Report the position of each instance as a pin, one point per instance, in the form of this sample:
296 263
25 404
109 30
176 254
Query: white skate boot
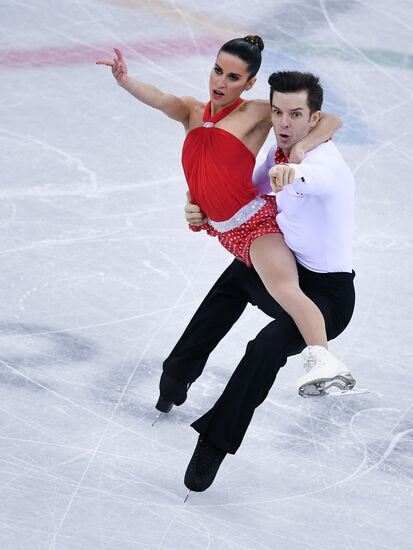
324 371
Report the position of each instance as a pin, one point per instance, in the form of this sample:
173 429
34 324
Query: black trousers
226 423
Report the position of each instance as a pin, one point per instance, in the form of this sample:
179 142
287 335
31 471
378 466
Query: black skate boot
204 465
172 392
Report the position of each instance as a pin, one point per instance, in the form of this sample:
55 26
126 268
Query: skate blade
158 416
354 391
344 382
187 495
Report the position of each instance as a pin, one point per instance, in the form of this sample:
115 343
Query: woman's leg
276 266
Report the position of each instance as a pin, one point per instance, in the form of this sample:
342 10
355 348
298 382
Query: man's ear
314 118
250 83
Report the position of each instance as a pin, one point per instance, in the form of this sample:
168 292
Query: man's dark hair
295 81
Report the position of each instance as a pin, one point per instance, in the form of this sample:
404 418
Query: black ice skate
172 392
204 465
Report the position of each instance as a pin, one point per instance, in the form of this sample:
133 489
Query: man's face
291 118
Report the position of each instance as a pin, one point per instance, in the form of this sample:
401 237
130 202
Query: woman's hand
193 213
118 65
281 175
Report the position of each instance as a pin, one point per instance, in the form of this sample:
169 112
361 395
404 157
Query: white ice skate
324 371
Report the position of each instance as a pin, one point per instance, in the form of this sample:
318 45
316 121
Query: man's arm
325 128
322 132
174 107
193 214
320 174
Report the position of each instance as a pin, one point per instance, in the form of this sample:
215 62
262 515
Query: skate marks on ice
128 497
334 458
303 18
373 442
32 346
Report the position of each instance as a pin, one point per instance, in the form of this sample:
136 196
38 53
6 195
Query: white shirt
316 212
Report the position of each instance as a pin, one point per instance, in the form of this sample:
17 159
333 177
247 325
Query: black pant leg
226 423
218 312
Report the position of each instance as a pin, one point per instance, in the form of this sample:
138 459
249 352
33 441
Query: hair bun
256 40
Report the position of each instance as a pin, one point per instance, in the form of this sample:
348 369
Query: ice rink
99 277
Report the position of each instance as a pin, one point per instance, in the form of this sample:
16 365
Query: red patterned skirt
238 240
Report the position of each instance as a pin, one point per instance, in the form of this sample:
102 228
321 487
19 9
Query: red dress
218 168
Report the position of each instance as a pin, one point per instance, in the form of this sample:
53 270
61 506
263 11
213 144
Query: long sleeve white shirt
316 212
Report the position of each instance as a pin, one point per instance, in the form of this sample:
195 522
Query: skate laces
309 361
314 359
206 456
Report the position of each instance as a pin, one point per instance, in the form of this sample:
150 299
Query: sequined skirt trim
238 240
243 215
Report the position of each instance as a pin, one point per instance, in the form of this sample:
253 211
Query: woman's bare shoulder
193 103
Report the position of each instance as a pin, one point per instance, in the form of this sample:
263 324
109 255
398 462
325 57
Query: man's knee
277 341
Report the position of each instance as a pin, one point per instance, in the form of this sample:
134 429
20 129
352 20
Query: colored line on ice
75 55
87 54
363 56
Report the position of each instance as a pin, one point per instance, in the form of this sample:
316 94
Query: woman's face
229 78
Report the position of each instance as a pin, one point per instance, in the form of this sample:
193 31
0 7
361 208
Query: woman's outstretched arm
174 107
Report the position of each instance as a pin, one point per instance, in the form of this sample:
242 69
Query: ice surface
99 277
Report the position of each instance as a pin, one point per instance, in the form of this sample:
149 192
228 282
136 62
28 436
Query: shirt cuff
299 184
299 173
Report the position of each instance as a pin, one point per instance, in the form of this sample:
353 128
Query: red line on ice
75 55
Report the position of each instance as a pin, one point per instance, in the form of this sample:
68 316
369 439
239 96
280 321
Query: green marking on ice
385 58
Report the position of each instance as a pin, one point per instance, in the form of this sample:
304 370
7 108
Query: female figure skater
223 138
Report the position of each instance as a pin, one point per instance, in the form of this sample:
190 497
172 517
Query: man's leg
218 312
226 423
223 427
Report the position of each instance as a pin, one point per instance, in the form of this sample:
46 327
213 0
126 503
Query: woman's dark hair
248 49
294 81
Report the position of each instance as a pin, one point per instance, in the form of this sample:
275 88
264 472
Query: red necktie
280 157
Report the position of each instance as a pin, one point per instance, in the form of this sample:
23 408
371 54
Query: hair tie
252 39
255 40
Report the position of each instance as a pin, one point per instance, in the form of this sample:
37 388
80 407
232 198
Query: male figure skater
315 201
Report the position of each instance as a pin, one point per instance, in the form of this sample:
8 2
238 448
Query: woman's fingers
117 65
104 62
118 54
119 59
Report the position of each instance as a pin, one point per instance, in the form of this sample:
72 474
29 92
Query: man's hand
193 213
281 175
296 154
119 69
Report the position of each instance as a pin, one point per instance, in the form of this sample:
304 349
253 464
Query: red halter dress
218 168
